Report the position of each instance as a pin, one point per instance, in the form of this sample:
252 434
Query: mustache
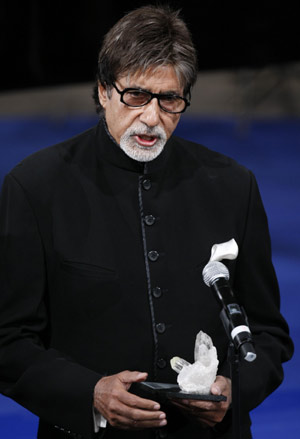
147 131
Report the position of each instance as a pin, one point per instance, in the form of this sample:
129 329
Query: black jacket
101 262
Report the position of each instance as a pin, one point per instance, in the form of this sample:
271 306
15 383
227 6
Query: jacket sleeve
255 285
42 380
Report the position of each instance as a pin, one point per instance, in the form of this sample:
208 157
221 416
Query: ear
102 94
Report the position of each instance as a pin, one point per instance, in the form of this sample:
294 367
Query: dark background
47 43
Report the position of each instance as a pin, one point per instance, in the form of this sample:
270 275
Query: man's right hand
123 409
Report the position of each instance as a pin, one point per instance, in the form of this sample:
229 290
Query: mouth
145 140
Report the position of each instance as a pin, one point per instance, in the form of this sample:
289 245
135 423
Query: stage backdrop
271 149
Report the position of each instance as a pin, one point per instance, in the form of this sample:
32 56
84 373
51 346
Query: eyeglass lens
138 98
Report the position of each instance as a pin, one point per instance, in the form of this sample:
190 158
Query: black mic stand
234 359
234 362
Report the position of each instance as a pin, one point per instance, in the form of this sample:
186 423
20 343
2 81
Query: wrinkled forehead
154 78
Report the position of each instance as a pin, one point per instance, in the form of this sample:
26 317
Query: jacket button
162 434
160 328
149 220
161 363
146 184
153 255
157 292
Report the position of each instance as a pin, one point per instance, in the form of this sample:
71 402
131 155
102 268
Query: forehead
157 80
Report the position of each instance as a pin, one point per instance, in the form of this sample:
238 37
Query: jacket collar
107 149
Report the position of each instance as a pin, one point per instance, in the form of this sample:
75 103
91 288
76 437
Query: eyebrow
167 92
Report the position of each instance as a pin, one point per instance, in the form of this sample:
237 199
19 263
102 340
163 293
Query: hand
123 409
208 413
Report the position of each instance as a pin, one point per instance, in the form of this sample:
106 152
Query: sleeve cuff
99 420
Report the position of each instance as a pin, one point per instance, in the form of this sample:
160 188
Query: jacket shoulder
45 164
205 157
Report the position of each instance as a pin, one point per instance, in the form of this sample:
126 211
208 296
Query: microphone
216 276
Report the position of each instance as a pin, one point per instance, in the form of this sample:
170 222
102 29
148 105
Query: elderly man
103 241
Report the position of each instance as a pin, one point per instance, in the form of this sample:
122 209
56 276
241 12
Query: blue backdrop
271 149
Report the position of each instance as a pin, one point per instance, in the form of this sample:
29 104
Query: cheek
120 121
170 125
123 120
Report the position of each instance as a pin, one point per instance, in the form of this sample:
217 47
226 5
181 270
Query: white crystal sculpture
199 376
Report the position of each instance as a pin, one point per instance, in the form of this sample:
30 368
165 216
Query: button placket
154 255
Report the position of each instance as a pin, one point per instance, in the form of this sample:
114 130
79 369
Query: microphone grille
214 270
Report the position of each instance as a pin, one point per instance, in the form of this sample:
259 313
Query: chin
142 154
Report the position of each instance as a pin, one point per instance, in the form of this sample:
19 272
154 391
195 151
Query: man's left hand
208 413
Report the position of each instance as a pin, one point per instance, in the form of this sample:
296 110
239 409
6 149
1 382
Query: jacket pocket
84 269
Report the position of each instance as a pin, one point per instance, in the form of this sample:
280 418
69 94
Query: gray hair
147 38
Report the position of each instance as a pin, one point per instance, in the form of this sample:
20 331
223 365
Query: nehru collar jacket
101 266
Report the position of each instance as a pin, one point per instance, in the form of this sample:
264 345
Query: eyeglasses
136 97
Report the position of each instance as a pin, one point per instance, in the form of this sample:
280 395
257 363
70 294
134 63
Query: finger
209 410
204 405
134 401
142 415
200 405
221 385
205 418
216 389
122 415
180 405
126 423
129 377
140 425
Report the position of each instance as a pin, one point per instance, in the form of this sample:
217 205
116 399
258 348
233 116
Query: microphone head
214 270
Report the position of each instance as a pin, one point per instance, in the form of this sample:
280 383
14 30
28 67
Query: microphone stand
235 322
234 362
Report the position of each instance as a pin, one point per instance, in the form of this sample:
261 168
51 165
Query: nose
151 113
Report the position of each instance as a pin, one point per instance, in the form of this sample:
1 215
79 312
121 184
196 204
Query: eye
169 98
136 98
172 103
136 94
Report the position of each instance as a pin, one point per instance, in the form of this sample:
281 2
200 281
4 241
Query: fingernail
216 390
141 375
156 407
162 416
162 423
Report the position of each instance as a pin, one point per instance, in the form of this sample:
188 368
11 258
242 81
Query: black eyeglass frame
158 96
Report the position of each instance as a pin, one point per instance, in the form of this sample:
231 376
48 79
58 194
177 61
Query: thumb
128 377
218 386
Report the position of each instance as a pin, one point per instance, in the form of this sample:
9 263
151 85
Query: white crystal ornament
177 363
199 376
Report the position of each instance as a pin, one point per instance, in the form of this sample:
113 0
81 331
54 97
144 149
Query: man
103 241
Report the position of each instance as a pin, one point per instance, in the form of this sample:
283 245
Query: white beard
138 152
